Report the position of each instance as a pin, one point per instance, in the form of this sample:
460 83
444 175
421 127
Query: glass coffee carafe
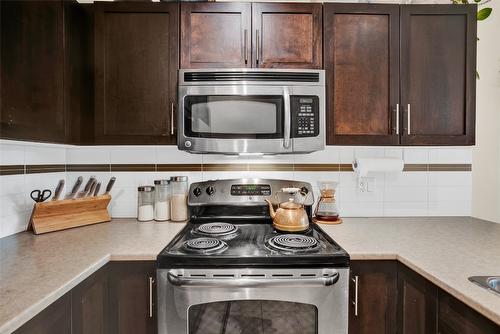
326 210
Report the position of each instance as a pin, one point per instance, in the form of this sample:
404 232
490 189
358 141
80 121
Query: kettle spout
272 213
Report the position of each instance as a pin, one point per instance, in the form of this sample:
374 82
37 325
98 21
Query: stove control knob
210 190
304 191
197 191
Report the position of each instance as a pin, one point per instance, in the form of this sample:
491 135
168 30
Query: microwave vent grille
251 76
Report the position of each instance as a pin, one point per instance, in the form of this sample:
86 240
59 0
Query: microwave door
235 119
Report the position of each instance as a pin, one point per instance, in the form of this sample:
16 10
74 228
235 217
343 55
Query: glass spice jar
162 200
145 203
178 199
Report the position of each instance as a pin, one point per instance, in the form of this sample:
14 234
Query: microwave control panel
305 116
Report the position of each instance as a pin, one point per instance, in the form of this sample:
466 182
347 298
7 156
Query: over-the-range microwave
251 111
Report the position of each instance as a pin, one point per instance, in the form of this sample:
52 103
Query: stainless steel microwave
251 111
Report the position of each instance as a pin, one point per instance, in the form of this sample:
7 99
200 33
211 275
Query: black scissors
40 195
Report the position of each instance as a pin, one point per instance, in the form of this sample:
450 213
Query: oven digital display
251 190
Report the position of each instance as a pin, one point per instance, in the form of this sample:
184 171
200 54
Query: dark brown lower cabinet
454 317
417 303
129 297
392 298
373 307
89 304
55 319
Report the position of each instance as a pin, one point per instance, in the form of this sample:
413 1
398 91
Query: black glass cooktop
250 245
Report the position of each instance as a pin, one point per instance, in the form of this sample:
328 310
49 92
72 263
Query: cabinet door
90 304
129 298
286 35
438 74
374 311
417 299
55 319
32 54
215 35
457 318
362 73
136 61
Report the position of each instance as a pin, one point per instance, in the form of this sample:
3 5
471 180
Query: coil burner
293 243
204 246
216 229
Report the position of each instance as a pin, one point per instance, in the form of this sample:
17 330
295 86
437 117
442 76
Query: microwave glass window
253 316
234 116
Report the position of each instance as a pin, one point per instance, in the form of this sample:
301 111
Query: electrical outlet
367 184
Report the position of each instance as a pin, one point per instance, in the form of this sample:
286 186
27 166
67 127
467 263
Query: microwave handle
286 98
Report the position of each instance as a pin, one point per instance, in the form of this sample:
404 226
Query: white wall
486 154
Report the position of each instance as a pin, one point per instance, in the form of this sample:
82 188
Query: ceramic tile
405 194
40 155
450 179
450 194
11 154
455 155
405 209
14 223
356 195
406 179
11 184
354 209
169 154
350 179
346 154
450 208
123 209
413 155
12 204
330 155
88 155
133 155
392 152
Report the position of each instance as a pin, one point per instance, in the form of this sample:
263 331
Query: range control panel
251 190
305 116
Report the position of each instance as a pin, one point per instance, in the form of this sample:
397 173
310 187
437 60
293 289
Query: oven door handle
287 123
246 282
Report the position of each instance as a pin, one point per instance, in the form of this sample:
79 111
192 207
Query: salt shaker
178 200
145 203
162 200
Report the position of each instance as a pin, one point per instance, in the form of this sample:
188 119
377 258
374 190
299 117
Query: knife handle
110 185
97 188
58 190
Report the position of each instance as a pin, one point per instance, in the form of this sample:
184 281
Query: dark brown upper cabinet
372 295
215 35
32 75
438 74
136 62
361 43
44 88
417 303
286 35
277 35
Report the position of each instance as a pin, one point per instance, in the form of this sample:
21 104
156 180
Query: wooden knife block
53 216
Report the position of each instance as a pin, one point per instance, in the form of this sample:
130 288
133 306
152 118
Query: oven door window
230 116
253 317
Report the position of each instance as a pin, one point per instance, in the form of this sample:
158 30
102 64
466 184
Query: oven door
256 301
234 119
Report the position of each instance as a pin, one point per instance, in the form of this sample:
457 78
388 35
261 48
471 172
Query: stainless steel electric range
228 271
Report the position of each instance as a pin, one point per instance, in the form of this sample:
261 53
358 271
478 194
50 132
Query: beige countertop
37 270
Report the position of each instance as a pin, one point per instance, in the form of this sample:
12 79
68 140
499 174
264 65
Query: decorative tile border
284 167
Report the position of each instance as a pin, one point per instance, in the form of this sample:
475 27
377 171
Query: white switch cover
367 184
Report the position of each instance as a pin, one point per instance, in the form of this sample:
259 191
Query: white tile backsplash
395 194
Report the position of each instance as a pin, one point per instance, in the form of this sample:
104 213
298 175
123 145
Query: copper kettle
290 216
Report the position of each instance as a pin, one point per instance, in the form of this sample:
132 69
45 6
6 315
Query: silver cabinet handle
245 47
356 294
328 280
397 119
257 46
151 281
408 120
171 118
286 100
